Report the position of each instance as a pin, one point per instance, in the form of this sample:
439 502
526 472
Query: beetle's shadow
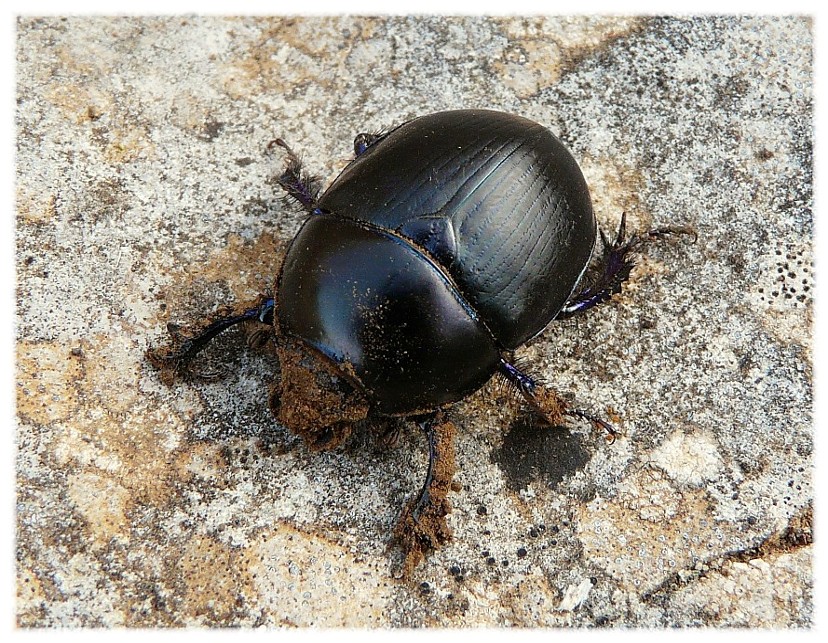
235 392
533 450
236 406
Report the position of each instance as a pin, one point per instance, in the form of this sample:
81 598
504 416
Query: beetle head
316 398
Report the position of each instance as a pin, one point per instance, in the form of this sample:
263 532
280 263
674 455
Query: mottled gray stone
144 194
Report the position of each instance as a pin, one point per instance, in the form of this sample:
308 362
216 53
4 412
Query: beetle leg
422 526
615 265
175 361
389 431
298 184
612 432
548 404
427 426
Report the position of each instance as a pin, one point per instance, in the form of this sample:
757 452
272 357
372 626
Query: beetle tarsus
612 432
422 526
178 360
615 265
300 186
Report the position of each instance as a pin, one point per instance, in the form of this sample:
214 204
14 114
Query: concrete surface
144 194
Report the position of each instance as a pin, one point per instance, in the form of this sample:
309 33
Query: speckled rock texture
145 194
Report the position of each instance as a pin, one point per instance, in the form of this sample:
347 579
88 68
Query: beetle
443 246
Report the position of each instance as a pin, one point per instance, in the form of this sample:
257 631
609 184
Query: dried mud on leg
420 534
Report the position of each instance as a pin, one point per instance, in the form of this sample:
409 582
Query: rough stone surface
144 194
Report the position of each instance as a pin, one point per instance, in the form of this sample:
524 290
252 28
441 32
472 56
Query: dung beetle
443 246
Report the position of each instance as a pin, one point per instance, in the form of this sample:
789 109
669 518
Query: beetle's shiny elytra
451 239
443 246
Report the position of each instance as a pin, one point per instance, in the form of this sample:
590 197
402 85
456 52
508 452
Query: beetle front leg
615 265
422 526
175 361
547 403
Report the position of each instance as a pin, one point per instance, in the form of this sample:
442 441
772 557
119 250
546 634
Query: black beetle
445 244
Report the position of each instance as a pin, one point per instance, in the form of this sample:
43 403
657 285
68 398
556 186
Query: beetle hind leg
422 527
547 403
298 185
615 265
